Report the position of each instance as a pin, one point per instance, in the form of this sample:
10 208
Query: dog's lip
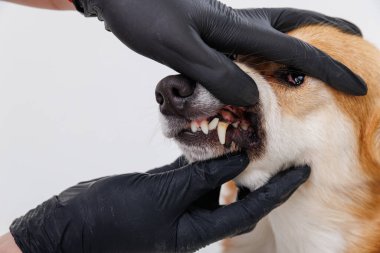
246 139
235 138
233 111
176 124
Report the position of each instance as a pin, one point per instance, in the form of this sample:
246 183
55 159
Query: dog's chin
204 152
251 178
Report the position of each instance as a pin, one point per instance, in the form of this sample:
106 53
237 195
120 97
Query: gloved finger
215 71
195 180
178 163
209 201
287 19
263 40
294 52
243 215
242 193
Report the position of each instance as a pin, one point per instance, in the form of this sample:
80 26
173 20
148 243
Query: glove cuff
78 5
41 229
83 7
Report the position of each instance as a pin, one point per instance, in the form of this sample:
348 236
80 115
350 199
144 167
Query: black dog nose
171 94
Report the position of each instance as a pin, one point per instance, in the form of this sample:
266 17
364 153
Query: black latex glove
185 34
160 211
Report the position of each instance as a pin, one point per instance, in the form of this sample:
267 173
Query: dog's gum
227 116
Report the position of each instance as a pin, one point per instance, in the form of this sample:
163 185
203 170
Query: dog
298 120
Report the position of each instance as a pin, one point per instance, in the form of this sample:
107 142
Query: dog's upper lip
228 114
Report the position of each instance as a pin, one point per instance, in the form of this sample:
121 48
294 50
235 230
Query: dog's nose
172 92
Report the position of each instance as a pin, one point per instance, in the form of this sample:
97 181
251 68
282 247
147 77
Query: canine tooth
236 124
204 126
194 127
222 130
213 124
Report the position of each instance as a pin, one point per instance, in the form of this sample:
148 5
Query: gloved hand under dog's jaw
174 208
194 36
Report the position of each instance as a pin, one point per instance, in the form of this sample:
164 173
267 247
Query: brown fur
364 59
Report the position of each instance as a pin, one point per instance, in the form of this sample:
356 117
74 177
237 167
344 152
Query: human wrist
8 244
41 229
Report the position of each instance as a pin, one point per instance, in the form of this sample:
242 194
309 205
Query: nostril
159 98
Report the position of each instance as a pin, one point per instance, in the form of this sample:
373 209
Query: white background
76 104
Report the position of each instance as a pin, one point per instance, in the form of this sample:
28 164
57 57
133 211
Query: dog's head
298 120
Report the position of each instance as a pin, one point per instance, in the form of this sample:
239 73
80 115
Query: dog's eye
291 77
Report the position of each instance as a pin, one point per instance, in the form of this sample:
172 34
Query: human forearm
8 245
46 4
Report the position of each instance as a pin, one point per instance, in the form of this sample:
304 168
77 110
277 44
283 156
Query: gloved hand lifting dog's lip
185 35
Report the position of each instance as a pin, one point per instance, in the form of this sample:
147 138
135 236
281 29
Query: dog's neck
317 218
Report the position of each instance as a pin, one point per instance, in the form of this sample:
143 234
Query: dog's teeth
204 126
194 127
236 124
222 130
213 124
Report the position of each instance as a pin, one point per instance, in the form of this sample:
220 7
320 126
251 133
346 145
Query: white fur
261 239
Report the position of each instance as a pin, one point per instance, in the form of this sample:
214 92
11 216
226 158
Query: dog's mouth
235 128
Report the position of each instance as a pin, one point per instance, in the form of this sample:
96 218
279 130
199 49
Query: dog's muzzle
194 117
